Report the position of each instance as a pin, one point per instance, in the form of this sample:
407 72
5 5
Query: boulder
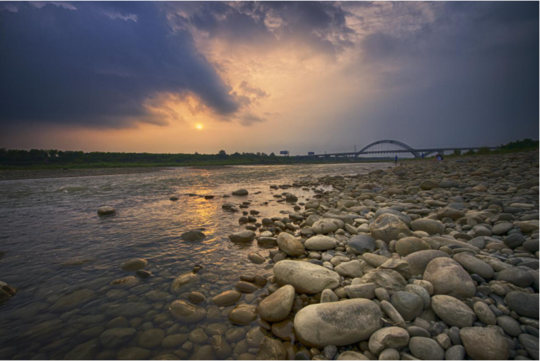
408 245
429 226
452 311
240 192
474 265
388 227
361 244
278 305
524 304
242 237
408 304
305 277
327 225
388 279
193 236
320 243
418 261
290 244
388 337
449 278
337 323
484 343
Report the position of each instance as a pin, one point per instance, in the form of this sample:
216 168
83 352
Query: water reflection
62 257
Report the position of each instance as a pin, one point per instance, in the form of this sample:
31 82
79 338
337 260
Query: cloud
96 65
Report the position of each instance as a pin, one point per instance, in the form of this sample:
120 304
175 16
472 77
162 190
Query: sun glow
199 126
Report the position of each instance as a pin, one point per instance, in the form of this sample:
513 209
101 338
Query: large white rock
337 323
305 277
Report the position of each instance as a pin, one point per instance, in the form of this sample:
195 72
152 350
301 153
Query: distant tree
470 152
272 154
222 154
457 152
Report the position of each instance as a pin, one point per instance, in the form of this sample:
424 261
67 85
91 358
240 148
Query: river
56 244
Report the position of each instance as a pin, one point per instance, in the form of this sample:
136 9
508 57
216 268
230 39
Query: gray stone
484 313
349 269
516 275
408 245
242 237
116 337
388 227
320 243
474 265
186 312
452 311
429 226
278 305
388 337
408 304
361 244
305 277
530 343
227 298
366 290
449 278
385 278
418 261
484 343
509 325
456 352
337 323
426 348
290 244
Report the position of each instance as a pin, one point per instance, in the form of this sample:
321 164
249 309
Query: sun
199 126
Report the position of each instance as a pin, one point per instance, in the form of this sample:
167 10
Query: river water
56 244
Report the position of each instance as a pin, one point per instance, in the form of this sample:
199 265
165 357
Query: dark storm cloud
468 77
321 26
95 64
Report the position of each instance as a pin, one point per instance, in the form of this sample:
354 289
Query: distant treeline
52 158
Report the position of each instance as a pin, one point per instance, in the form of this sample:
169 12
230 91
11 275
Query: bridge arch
390 141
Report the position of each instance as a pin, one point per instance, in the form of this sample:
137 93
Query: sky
185 77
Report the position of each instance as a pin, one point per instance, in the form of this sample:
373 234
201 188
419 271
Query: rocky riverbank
423 261
420 261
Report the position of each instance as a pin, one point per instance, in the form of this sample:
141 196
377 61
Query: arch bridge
381 147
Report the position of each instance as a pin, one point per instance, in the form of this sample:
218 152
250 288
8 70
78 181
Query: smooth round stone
529 343
484 343
193 236
174 341
516 275
196 297
116 337
327 225
337 323
290 245
243 236
227 298
417 331
366 290
456 352
426 348
449 278
328 296
74 299
408 245
133 353
474 265
361 244
420 292
388 279
429 226
531 245
134 264
514 240
388 337
418 261
484 313
524 304
256 258
243 314
84 351
408 304
502 228
351 355
151 338
305 277
198 336
271 349
184 282
186 312
389 354
283 330
106 210
320 243
509 325
278 305
246 287
349 269
240 192
452 311
388 227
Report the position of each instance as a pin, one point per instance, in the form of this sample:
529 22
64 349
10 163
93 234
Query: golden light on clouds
199 126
